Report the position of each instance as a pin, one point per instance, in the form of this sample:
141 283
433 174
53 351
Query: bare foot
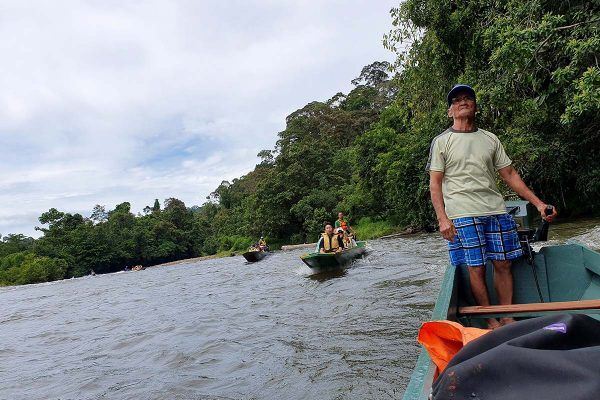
507 320
493 323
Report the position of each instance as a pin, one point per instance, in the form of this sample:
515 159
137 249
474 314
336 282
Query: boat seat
531 307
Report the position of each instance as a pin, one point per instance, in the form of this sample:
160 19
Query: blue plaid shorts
479 239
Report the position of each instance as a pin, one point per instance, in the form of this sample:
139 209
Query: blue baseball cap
459 88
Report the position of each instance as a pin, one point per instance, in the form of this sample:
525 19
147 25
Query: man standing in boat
463 162
342 223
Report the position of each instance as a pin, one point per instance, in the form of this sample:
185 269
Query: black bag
553 357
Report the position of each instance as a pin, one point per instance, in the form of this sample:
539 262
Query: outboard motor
523 212
527 235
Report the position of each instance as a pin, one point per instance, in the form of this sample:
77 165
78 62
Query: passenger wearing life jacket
343 238
329 241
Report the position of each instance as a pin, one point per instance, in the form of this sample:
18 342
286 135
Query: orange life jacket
330 243
443 339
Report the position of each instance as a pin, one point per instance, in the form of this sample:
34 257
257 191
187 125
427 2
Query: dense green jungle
533 64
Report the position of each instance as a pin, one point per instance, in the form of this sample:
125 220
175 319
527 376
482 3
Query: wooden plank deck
531 307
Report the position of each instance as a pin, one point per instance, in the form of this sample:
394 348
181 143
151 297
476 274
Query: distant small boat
255 255
332 261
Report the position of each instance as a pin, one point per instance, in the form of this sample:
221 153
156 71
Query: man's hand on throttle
542 209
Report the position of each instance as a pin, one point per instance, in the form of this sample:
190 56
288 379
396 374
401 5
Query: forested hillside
533 64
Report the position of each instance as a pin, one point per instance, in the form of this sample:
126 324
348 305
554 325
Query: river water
225 329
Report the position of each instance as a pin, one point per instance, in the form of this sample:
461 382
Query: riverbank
367 229
222 254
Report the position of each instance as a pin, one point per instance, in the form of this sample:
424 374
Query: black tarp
546 358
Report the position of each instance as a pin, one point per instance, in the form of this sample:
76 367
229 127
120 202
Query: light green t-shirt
469 161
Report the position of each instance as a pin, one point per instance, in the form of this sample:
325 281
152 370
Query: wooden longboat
568 279
321 262
255 255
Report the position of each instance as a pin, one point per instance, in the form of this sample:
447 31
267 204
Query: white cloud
105 102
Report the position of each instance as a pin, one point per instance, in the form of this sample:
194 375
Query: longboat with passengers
334 250
257 251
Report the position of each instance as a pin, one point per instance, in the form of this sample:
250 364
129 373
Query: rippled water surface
225 329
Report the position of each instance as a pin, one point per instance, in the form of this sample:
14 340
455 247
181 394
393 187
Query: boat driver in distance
463 162
342 223
262 244
330 242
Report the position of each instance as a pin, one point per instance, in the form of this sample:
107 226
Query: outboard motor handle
541 234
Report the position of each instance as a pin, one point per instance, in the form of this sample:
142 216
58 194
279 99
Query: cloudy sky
109 101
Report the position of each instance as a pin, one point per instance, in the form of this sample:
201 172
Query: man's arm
514 181
447 228
321 245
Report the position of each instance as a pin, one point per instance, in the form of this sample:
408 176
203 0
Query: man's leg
478 285
503 243
503 283
470 249
480 293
